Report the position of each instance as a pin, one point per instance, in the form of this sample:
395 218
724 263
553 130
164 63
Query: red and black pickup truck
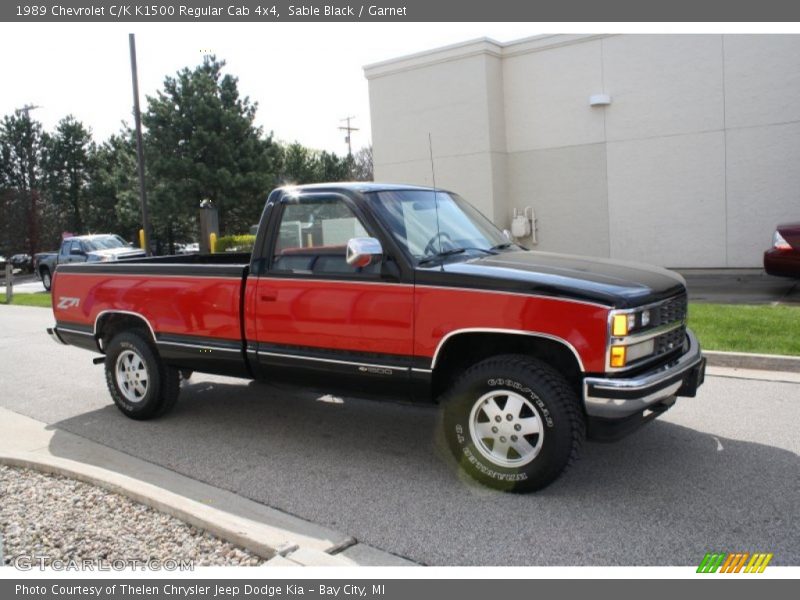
402 290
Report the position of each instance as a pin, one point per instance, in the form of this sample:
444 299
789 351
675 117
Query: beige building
678 150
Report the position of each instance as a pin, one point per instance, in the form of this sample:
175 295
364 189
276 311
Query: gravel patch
63 519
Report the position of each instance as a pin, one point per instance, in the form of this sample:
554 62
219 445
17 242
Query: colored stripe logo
738 562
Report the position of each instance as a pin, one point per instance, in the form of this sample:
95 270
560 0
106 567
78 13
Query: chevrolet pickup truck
408 291
83 248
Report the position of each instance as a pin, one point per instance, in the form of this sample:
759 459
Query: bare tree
362 164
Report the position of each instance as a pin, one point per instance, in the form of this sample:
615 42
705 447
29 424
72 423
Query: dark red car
783 259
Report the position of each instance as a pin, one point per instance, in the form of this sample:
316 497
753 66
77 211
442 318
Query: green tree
302 165
201 142
67 162
114 187
21 146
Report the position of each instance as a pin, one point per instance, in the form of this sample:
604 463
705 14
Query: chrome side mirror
507 233
362 252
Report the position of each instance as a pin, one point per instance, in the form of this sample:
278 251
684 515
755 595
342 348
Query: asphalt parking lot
720 472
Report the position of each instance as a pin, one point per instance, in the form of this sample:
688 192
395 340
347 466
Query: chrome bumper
617 398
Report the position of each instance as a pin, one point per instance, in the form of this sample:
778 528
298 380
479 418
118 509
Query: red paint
341 315
440 311
202 306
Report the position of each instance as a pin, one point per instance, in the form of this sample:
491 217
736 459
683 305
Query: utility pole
137 115
349 129
27 109
33 217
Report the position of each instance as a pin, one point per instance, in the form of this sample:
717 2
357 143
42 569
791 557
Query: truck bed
192 305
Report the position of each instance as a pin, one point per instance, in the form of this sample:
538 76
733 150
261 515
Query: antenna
435 195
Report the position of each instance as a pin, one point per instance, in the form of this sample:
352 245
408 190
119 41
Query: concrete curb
760 362
261 539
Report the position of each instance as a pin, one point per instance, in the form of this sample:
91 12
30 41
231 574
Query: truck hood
118 253
614 283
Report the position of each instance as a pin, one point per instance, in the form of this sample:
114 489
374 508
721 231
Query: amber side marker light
617 356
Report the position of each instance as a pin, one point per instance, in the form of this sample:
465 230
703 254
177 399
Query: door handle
269 295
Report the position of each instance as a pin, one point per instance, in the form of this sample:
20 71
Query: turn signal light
619 326
617 356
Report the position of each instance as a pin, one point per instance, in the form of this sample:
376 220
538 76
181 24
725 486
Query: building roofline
483 46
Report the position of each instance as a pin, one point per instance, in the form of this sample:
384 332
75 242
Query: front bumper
622 398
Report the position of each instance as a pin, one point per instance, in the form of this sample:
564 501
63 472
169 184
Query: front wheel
513 423
140 384
46 280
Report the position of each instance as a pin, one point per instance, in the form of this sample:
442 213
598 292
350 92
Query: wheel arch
462 348
108 323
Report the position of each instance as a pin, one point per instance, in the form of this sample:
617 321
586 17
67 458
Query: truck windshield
461 231
103 242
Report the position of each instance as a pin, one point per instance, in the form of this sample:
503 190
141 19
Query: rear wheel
140 384
513 423
46 279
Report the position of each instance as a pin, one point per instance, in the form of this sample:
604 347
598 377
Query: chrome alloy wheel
132 377
506 428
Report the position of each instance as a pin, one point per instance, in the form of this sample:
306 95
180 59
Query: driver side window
313 236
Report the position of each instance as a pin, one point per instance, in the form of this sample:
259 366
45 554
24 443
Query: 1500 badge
375 370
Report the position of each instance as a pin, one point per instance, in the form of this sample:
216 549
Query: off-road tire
162 382
543 394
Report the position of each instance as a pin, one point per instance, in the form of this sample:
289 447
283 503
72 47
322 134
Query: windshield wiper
452 251
502 246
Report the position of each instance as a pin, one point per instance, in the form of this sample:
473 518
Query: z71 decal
68 302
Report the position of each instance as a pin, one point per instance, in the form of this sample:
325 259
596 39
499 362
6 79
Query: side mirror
77 252
507 233
362 252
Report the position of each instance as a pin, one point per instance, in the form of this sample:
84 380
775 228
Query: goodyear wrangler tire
513 423
140 384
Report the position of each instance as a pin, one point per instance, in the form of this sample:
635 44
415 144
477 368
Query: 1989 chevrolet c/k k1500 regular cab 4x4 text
408 289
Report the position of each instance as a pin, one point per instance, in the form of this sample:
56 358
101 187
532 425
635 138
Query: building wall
691 165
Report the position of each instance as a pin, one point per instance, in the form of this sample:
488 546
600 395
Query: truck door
70 252
312 312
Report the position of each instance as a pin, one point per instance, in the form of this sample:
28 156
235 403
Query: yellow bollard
141 239
212 242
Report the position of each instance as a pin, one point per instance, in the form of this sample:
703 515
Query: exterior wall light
599 100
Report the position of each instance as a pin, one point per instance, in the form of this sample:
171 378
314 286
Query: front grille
670 341
669 311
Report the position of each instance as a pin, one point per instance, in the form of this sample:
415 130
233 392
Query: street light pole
137 115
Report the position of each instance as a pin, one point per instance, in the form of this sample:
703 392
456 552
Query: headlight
624 324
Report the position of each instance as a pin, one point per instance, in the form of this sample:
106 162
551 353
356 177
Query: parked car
405 291
190 248
783 259
104 247
23 262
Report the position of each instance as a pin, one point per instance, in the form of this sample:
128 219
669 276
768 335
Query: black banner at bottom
391 589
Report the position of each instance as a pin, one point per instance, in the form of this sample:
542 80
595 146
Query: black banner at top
255 11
